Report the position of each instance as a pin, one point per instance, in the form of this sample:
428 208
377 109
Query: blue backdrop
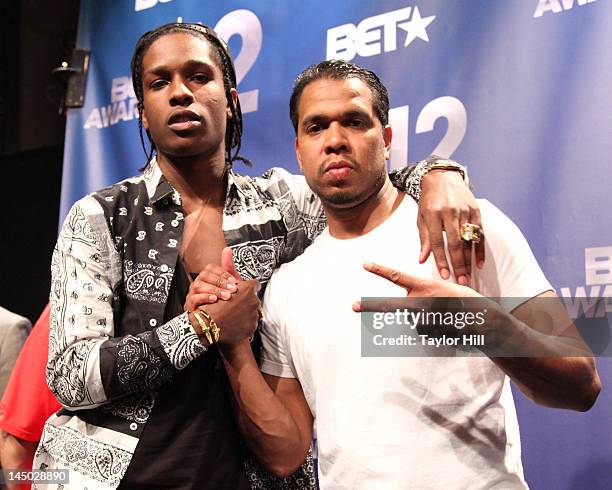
520 91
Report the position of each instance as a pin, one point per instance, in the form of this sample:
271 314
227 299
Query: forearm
570 383
88 372
268 426
553 371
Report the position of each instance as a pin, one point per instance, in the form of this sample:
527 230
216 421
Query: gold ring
471 232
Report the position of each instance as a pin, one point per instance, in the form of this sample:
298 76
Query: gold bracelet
205 328
212 325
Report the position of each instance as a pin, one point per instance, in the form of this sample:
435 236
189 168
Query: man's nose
335 139
180 94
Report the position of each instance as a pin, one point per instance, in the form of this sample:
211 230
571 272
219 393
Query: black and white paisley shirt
112 268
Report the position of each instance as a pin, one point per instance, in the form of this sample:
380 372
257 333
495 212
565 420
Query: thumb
227 262
397 277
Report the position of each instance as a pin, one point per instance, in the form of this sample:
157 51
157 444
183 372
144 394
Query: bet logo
376 34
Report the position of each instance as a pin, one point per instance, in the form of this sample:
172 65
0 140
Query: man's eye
355 123
314 128
200 78
157 84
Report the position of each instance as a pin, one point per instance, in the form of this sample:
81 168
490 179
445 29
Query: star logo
377 34
416 27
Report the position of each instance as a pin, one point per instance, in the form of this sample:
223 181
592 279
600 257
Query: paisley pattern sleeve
87 364
408 179
300 209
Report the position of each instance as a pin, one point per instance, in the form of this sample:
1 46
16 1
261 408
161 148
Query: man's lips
184 119
338 165
339 170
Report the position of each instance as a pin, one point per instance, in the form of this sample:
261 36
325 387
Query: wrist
436 164
433 178
196 324
239 348
449 171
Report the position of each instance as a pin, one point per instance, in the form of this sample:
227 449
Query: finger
385 305
467 246
206 288
215 276
424 238
195 300
456 247
467 249
219 270
436 241
467 257
227 261
400 278
479 248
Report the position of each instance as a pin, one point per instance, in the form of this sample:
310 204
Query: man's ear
297 154
387 136
143 115
234 94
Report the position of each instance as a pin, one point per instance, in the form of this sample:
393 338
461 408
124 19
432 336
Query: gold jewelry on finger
471 232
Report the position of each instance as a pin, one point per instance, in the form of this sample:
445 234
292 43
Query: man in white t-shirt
388 422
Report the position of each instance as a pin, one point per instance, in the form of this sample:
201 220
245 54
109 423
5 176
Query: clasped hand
237 313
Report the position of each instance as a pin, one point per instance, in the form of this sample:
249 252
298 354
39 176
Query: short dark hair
340 70
221 54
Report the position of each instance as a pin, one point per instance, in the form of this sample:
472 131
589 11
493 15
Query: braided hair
222 55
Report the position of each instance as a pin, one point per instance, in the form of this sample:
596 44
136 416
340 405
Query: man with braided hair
221 54
145 396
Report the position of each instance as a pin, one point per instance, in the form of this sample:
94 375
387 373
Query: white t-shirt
396 422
